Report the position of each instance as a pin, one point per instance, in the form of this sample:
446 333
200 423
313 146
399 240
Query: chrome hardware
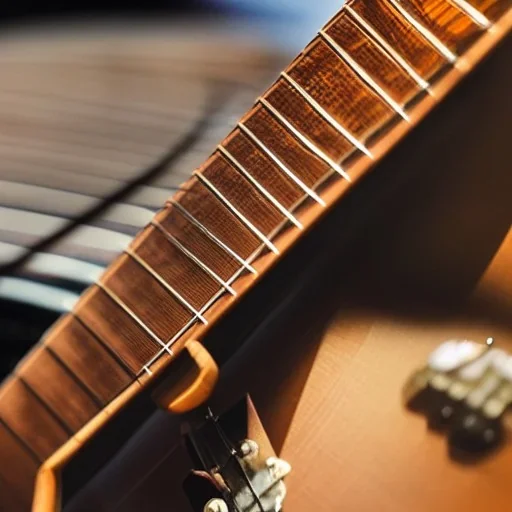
241 476
464 390
216 505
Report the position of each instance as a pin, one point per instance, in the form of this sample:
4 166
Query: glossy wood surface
137 316
434 263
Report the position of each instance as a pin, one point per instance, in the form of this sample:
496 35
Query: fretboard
368 76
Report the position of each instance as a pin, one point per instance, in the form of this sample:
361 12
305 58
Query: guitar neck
368 76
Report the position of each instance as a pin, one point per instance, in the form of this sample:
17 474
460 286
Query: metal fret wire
215 191
211 236
429 36
325 115
143 264
239 167
136 319
363 74
399 59
304 140
258 251
310 192
174 241
472 12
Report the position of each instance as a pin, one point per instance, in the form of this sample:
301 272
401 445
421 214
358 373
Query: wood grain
153 304
47 377
17 471
177 269
197 242
434 264
110 323
320 72
284 98
31 419
88 359
215 217
368 54
493 9
242 194
308 167
135 308
449 24
398 33
262 168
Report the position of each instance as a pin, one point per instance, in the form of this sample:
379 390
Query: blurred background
92 94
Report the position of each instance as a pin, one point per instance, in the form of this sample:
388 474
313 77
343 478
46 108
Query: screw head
216 505
248 448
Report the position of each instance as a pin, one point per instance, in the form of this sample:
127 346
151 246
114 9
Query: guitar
306 143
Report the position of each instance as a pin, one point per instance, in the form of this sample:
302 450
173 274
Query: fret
237 213
85 355
133 316
478 17
151 305
236 189
263 169
193 258
18 469
320 71
303 139
365 51
176 266
278 139
386 47
114 326
363 75
212 213
408 45
291 105
286 148
223 253
47 377
325 115
44 404
309 191
147 366
168 287
446 28
429 36
25 415
491 9
263 191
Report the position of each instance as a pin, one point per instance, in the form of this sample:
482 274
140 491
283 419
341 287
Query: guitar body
326 370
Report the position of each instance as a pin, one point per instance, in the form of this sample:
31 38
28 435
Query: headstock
464 390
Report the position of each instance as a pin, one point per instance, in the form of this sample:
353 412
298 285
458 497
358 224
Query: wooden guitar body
326 367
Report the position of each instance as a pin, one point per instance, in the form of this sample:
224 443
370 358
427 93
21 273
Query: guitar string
270 237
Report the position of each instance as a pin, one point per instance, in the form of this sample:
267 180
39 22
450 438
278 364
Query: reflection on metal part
309 191
304 140
209 185
326 116
361 72
429 36
237 165
465 389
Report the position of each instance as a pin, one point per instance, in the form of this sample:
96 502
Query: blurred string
217 98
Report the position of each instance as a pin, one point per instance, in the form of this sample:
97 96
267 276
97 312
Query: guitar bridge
236 467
